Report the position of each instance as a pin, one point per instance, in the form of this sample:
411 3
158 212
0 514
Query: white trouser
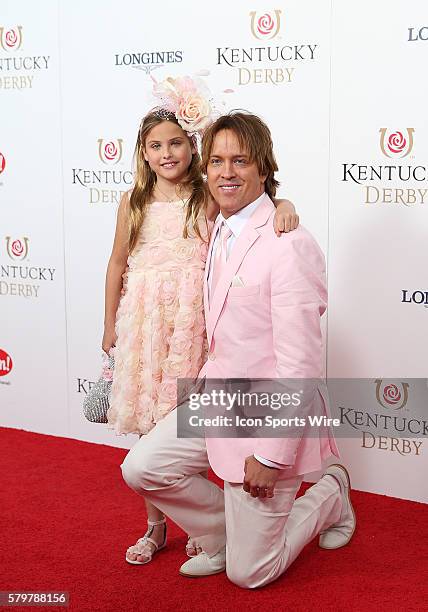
262 536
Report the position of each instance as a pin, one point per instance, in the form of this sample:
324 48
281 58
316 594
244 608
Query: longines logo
390 396
17 249
385 429
148 60
101 183
24 68
268 64
265 26
6 365
396 183
22 280
418 34
415 297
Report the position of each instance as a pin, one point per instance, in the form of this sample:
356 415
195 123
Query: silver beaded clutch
96 403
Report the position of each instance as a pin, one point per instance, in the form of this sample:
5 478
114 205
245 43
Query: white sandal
191 549
141 547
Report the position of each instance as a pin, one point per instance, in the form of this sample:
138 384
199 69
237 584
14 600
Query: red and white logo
266 25
2 163
17 248
110 151
390 395
396 144
11 38
6 363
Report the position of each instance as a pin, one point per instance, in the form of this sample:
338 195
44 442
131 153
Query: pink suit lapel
240 249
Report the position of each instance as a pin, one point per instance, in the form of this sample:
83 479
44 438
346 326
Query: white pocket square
237 282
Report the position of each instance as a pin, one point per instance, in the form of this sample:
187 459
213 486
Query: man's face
233 180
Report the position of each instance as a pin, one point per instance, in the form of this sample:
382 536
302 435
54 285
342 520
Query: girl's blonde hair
145 181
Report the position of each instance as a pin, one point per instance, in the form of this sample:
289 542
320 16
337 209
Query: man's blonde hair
253 136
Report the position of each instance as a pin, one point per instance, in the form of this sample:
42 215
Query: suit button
211 356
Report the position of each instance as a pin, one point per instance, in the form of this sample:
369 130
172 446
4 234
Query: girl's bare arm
115 269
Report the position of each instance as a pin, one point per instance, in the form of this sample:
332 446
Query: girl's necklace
169 200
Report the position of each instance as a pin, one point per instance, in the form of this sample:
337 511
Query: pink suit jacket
268 328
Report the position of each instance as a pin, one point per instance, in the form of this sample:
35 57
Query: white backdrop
75 80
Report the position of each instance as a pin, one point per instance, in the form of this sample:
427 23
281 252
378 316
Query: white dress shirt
236 224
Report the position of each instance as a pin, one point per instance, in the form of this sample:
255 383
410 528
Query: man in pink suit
264 297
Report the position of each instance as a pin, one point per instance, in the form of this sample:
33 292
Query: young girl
162 232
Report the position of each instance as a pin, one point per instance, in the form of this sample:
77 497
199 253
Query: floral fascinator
189 99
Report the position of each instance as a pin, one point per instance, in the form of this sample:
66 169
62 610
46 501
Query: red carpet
67 518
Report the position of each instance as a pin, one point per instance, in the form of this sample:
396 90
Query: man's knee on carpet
249 578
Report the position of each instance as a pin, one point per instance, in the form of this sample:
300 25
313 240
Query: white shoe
203 565
340 533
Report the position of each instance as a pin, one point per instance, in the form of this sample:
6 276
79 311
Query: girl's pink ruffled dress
160 321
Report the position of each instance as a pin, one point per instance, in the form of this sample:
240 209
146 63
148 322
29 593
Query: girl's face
168 151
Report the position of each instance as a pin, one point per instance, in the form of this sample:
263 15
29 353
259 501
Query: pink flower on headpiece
188 99
194 113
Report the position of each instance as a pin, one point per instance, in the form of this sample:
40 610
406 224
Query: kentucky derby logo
6 363
110 152
396 144
390 396
17 249
265 26
11 40
2 163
